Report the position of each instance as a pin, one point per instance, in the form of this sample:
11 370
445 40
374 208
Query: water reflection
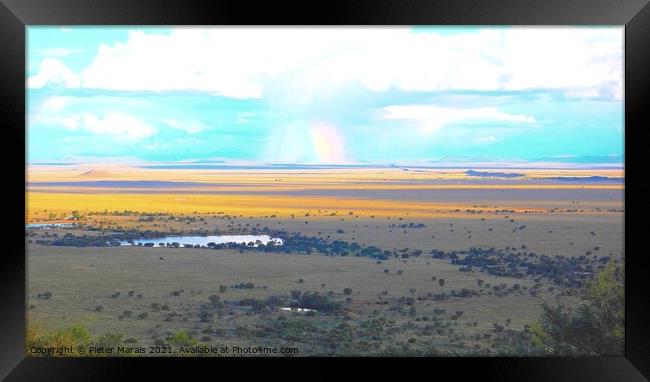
205 241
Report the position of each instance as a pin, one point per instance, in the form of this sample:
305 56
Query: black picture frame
15 15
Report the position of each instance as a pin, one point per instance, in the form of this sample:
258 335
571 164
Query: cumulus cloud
485 140
188 126
53 104
118 125
244 117
54 73
248 62
69 122
432 118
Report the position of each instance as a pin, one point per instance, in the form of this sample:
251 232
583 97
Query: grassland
393 306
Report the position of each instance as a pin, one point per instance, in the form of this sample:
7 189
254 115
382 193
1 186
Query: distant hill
95 174
485 174
586 179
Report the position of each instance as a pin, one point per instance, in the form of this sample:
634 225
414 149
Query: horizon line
430 165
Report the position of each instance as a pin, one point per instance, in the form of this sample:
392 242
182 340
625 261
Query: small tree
594 327
205 315
347 291
441 282
108 341
295 294
214 299
181 339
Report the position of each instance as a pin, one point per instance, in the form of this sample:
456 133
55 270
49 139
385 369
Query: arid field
374 243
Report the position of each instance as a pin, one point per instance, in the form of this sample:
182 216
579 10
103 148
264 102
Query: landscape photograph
324 191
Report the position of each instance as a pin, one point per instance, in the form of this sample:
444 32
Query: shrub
205 315
255 304
295 294
317 302
108 341
181 338
214 299
595 327
73 336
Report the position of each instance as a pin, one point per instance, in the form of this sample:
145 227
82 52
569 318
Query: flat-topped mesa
95 173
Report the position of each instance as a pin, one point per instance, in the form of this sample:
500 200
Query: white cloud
117 125
53 72
432 118
189 127
244 117
155 146
122 127
53 104
248 62
70 123
485 140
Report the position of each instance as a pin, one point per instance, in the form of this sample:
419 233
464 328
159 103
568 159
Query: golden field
391 307
286 192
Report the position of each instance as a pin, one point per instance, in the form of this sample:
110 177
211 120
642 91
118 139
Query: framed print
450 184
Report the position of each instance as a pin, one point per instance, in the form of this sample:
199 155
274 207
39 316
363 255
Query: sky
329 95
